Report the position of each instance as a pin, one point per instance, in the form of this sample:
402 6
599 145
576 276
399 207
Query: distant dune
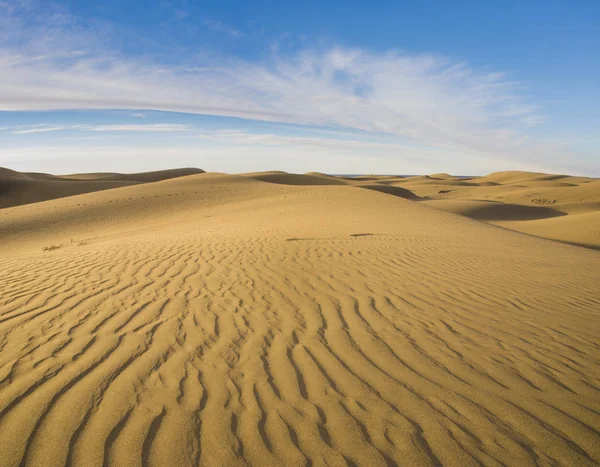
186 318
23 188
558 207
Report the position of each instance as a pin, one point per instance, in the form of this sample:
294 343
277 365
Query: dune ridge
216 319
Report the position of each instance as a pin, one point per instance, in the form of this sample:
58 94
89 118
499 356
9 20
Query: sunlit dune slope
214 319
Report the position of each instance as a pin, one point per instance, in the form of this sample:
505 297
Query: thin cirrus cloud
26 130
153 127
44 128
425 100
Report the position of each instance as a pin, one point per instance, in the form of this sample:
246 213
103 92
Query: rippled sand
274 319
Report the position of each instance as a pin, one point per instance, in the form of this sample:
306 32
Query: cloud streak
36 129
148 128
154 127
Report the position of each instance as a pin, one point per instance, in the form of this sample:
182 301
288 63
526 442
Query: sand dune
272 319
559 207
24 188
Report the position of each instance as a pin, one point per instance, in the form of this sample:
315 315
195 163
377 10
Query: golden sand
278 319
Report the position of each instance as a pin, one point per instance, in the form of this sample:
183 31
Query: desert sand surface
282 319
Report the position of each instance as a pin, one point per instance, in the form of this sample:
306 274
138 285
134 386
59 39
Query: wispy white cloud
38 129
423 98
155 127
45 128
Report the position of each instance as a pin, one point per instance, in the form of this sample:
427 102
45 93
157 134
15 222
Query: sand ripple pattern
364 350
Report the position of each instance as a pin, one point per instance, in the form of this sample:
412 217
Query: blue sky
340 87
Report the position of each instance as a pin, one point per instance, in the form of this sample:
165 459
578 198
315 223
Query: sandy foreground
277 319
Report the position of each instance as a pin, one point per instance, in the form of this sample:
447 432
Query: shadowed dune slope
390 190
23 188
142 177
15 192
495 211
7 174
220 320
283 178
